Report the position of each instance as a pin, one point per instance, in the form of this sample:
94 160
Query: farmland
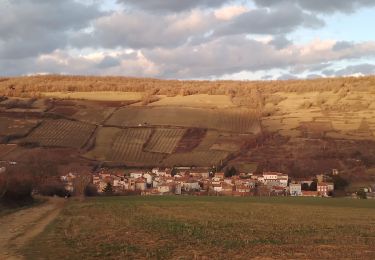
6 148
298 127
209 228
105 137
62 133
199 101
196 158
164 140
232 120
10 127
128 147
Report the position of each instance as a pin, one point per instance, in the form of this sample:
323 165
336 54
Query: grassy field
96 95
61 133
209 228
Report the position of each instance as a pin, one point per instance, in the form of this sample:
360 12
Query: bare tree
80 183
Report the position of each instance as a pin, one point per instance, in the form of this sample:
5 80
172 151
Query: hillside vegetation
300 127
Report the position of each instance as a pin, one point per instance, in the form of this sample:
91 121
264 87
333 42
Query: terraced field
16 127
164 140
128 148
61 133
93 115
6 149
232 120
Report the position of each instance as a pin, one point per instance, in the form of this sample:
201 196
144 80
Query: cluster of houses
200 181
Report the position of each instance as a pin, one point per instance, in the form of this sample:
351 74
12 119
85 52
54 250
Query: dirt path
20 227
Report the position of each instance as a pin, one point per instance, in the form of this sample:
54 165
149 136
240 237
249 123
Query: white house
191 186
148 178
164 188
136 175
295 189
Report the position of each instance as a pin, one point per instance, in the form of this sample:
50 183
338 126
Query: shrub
91 190
16 187
53 189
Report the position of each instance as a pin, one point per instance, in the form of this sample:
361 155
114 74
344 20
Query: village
202 181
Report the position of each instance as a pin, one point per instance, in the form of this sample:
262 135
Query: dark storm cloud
171 5
32 27
321 6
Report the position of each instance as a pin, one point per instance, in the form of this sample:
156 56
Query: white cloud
228 12
177 39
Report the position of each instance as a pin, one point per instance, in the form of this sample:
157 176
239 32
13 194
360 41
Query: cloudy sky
188 39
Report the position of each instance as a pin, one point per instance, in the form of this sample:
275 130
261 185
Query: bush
91 190
16 103
16 187
53 189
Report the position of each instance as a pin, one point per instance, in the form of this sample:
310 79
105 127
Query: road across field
18 228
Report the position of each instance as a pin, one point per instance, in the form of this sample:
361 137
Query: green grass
210 227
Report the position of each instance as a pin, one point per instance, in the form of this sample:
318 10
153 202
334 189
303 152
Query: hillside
301 127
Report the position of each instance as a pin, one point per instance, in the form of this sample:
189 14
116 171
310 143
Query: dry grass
209 228
200 100
96 95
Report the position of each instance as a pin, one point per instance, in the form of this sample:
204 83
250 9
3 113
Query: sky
192 39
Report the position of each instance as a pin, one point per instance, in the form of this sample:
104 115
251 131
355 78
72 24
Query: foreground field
209 228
